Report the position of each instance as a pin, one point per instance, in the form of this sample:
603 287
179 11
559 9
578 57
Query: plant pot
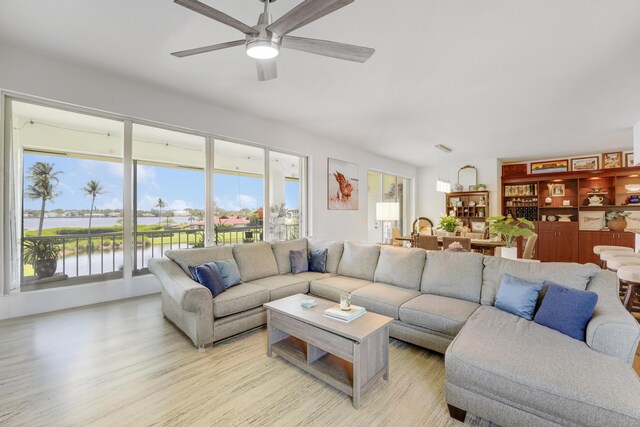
617 224
509 253
46 268
450 233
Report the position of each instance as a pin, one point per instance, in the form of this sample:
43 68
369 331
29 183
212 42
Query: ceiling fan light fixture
262 49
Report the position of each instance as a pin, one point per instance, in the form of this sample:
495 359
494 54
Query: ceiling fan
264 40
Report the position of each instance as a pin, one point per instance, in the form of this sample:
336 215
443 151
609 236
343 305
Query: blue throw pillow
299 261
518 296
209 276
229 271
192 271
566 310
318 262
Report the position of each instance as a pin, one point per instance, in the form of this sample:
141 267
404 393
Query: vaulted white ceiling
493 78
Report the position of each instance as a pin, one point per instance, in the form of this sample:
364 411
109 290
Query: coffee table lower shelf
350 366
331 369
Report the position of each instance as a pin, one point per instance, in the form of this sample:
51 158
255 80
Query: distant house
70 214
181 213
115 214
234 221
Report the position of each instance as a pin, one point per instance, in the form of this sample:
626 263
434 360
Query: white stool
630 274
607 255
616 262
600 248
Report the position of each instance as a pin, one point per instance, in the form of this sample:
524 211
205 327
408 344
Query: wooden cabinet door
587 240
625 239
567 246
547 245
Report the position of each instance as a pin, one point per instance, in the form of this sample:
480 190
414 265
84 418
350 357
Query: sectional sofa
499 367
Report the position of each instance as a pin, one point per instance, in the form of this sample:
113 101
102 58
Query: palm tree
93 188
43 183
160 204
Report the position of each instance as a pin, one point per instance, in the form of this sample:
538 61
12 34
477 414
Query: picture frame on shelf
591 220
633 221
343 183
556 190
515 169
550 166
590 163
478 226
628 160
612 160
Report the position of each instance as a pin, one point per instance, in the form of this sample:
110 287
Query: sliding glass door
388 188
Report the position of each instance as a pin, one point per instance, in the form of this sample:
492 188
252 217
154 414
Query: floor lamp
387 212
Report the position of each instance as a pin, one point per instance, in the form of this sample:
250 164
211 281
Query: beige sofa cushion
282 286
570 275
331 287
310 276
453 274
441 314
281 252
255 261
400 266
239 298
334 252
359 261
542 372
198 256
382 298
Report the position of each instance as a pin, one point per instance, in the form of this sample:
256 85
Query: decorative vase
509 253
46 267
617 224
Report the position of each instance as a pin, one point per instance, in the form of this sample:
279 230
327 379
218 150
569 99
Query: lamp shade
387 211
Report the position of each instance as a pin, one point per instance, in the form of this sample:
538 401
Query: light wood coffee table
348 356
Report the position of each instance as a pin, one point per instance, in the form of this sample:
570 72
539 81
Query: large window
96 197
285 196
71 205
239 193
169 197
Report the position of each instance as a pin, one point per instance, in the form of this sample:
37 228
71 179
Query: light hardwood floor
122 364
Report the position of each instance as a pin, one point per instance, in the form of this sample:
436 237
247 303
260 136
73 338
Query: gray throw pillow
318 262
229 272
299 261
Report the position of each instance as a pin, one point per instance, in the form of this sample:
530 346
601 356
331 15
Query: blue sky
181 188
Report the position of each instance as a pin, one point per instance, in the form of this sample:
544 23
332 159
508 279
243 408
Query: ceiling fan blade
267 69
347 52
211 48
305 13
215 14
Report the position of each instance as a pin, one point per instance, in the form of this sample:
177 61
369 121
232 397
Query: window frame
7 230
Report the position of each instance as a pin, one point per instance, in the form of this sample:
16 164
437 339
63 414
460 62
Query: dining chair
464 241
395 233
529 247
429 243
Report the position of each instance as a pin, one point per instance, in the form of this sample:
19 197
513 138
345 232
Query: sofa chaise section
515 372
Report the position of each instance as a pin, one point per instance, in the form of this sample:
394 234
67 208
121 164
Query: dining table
478 244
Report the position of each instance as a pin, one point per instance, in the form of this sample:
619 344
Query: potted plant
43 254
449 224
509 230
617 221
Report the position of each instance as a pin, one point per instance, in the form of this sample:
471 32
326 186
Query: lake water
32 223
108 260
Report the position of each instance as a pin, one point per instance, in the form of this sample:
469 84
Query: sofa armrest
190 295
612 329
